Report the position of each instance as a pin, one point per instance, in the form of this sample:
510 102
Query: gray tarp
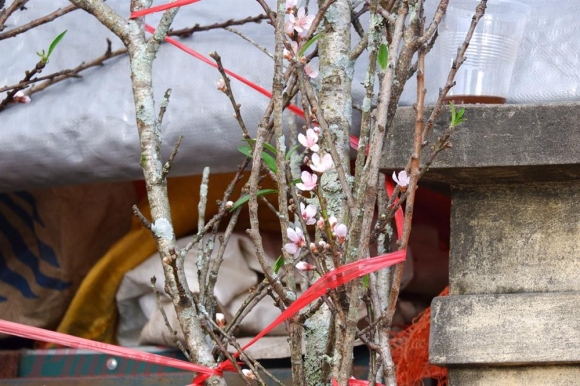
83 130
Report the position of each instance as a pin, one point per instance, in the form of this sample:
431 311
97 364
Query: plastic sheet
83 130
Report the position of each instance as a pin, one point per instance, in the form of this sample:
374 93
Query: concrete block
516 376
515 238
530 328
498 143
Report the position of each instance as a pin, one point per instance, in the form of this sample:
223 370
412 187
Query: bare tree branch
35 23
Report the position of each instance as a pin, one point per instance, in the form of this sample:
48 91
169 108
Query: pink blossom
310 71
403 180
323 164
20 97
308 181
301 22
309 140
308 213
297 241
304 266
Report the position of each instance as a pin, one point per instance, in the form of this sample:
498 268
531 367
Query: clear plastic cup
485 75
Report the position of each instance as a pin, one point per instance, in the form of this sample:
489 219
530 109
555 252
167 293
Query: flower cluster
318 164
298 23
308 182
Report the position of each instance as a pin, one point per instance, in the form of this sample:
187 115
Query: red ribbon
328 281
160 8
43 335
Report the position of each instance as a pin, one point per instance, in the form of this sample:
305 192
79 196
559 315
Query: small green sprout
456 116
45 55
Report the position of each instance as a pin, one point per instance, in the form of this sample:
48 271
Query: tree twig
74 72
249 40
169 163
6 12
141 218
162 311
35 23
28 75
186 32
23 85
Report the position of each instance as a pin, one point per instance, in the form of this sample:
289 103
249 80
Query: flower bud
248 374
20 97
304 266
313 248
220 320
221 85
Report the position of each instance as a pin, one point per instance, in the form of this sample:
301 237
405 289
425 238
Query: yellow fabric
93 314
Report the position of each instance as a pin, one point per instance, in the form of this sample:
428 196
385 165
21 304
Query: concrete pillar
513 314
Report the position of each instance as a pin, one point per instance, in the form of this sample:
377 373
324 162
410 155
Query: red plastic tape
160 8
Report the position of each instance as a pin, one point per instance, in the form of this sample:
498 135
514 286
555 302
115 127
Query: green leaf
383 56
246 150
270 147
308 44
246 197
267 158
294 182
366 281
291 151
54 44
278 264
270 162
266 145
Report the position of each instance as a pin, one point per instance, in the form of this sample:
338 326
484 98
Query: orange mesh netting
410 350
